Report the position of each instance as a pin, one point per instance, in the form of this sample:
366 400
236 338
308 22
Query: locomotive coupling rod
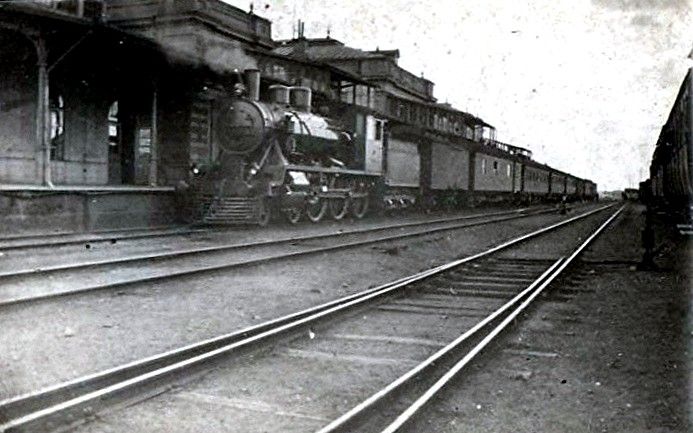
334 193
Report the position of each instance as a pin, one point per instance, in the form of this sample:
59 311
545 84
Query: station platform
38 210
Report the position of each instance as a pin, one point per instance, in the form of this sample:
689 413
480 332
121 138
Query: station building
80 116
105 105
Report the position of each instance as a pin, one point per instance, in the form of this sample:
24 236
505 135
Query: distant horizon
593 80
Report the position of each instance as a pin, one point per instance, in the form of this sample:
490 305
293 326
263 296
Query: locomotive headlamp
239 89
254 169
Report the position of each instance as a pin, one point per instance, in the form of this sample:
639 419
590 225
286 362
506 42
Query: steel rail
61 239
23 241
60 399
357 411
405 416
247 263
528 294
236 246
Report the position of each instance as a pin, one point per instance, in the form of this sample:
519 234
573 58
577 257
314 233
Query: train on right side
670 186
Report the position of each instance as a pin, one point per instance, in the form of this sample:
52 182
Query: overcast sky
585 84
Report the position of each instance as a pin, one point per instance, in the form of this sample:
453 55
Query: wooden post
43 137
154 145
471 178
648 241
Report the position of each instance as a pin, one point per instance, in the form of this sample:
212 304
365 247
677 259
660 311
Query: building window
113 125
495 167
346 94
57 127
378 130
144 141
361 96
469 132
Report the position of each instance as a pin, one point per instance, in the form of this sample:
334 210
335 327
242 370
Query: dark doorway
130 138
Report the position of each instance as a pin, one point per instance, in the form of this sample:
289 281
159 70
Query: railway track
51 240
501 290
42 282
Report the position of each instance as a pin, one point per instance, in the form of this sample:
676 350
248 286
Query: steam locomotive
278 157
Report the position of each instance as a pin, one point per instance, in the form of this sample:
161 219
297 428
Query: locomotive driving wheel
316 206
339 207
293 214
359 201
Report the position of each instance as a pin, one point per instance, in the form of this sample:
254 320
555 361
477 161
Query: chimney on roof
301 45
301 29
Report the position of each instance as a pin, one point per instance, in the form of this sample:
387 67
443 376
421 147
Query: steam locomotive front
242 131
275 154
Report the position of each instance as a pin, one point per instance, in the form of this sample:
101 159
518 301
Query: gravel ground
53 341
612 356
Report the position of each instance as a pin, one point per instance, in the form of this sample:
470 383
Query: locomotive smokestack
252 79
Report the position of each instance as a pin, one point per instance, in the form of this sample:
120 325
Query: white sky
585 84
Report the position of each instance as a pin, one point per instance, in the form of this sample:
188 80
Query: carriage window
57 127
378 130
495 167
508 170
483 165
